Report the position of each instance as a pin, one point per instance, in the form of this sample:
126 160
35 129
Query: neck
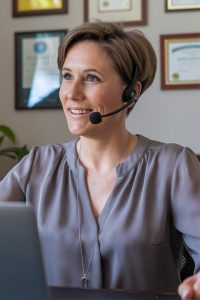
103 155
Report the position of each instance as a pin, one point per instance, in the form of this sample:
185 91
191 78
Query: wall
163 115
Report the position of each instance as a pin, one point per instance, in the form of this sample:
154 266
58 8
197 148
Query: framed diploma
126 12
180 61
24 8
179 5
37 78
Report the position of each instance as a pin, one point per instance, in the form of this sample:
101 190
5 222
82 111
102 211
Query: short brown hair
128 49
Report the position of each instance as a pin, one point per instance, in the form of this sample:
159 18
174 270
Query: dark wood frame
168 9
164 59
39 12
141 22
22 94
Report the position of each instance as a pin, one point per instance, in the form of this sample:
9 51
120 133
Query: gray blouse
135 243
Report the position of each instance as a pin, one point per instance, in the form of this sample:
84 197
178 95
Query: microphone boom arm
119 109
95 117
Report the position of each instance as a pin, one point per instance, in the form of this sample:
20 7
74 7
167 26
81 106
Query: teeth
80 111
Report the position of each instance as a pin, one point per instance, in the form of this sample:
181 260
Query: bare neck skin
103 154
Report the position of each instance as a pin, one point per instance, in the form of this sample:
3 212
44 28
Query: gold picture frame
182 5
128 12
25 8
180 62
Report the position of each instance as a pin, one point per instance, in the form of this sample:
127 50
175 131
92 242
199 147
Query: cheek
109 99
114 98
61 94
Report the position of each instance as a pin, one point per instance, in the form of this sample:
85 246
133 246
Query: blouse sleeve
13 185
185 195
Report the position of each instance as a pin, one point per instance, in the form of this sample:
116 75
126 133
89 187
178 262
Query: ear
138 88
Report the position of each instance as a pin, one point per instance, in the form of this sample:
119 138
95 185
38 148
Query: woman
114 209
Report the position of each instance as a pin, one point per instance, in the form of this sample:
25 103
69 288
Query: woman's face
90 82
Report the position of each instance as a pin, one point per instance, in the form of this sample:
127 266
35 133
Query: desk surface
94 294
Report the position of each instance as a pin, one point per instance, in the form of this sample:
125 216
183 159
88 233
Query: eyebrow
84 71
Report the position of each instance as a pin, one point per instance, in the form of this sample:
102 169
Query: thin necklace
85 271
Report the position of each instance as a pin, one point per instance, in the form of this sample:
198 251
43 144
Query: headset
129 96
129 92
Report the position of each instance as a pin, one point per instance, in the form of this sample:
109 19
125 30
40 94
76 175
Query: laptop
22 274
21 270
104 294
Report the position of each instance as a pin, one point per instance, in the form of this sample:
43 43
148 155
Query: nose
71 91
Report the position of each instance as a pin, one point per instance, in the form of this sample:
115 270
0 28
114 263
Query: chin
80 127
76 131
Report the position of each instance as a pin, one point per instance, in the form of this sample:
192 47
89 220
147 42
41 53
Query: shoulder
51 155
169 153
157 146
168 149
44 162
52 151
46 152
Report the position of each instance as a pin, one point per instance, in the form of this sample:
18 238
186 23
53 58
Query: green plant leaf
8 132
12 156
21 152
14 152
1 139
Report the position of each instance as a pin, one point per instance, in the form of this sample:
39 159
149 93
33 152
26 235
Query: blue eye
92 78
67 76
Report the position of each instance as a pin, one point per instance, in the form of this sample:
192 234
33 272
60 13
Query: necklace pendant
84 281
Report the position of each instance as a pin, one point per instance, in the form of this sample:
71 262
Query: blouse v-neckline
121 170
84 196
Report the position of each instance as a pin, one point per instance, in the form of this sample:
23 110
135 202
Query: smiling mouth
79 112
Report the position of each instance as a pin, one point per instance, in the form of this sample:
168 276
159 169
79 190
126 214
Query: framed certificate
37 78
24 8
126 12
179 5
180 61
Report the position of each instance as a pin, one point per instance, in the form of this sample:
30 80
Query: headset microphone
129 95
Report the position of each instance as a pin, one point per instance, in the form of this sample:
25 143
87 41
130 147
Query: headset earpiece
130 93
